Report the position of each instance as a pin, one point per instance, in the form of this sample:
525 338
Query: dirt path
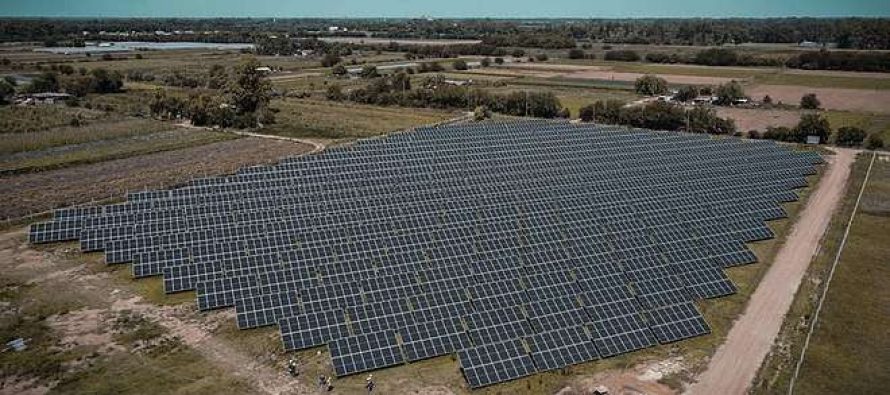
734 365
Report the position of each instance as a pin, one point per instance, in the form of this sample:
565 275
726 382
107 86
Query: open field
332 120
27 193
847 352
747 119
832 98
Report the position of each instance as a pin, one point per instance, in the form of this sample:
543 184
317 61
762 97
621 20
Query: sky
446 8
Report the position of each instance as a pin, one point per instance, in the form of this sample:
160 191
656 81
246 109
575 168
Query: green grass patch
28 119
848 350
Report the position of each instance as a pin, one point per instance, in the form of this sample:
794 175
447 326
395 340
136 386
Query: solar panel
523 246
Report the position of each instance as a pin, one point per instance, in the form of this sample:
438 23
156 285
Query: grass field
332 120
68 135
848 352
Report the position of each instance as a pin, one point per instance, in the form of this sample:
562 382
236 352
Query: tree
339 70
622 56
812 125
586 113
874 142
576 53
767 100
330 59
499 60
104 81
485 62
850 136
459 64
729 92
6 90
650 85
686 93
809 102
754 135
369 71
248 91
705 120
518 53
46 82
10 80
334 92
542 57
217 77
166 107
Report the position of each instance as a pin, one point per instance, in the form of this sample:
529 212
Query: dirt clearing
606 73
734 365
757 119
866 100
28 193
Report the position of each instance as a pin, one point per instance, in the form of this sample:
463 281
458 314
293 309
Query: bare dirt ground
734 365
102 300
605 73
28 193
759 119
877 101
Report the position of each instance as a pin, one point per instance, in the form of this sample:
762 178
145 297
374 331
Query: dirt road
736 362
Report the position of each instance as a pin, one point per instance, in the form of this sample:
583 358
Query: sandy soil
832 98
26 193
747 119
734 365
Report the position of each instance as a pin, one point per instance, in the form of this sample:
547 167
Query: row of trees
658 116
435 93
726 94
243 104
65 79
809 60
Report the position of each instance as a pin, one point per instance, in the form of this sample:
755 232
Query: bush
625 55
329 60
499 60
369 71
485 62
754 135
517 53
809 102
849 136
542 57
650 85
459 64
716 57
339 70
576 53
874 142
586 113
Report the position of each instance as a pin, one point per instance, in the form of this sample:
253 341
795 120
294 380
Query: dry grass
68 135
28 119
323 119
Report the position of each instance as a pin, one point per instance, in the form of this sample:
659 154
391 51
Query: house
264 69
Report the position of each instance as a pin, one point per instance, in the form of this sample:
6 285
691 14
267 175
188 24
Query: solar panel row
522 246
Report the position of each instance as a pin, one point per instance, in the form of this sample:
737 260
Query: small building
264 69
814 140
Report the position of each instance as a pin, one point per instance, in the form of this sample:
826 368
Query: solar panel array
521 246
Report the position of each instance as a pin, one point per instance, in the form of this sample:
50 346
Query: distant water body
127 46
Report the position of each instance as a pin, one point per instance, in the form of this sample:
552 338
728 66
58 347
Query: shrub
624 55
576 53
459 64
586 113
849 136
874 142
809 102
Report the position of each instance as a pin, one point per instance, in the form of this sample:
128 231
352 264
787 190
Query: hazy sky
446 8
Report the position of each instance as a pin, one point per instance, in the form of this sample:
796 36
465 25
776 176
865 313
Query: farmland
184 115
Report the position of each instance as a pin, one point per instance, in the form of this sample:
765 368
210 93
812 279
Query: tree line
435 92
